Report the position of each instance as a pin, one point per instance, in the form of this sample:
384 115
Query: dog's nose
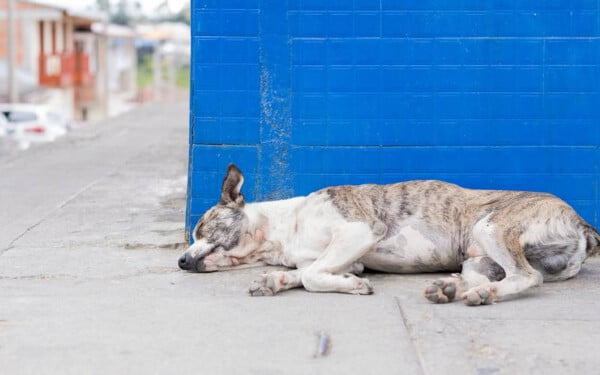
189 263
186 262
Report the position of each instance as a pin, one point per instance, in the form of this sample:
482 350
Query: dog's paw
260 288
480 295
260 291
266 286
441 291
363 286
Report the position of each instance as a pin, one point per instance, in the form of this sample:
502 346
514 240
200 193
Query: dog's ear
232 187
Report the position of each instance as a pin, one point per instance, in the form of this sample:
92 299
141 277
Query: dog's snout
189 263
185 262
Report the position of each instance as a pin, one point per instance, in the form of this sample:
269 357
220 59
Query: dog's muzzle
189 263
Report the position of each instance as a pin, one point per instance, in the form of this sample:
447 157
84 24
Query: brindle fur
221 226
452 209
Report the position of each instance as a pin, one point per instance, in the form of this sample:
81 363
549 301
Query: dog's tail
592 238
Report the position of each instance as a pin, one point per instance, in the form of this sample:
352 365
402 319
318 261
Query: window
20 116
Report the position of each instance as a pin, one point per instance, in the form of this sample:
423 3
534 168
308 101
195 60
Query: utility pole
106 63
13 93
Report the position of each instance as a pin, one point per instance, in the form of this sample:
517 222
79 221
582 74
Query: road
90 231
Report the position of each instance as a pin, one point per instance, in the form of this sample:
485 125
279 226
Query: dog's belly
412 249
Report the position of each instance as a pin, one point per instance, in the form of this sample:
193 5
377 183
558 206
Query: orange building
57 48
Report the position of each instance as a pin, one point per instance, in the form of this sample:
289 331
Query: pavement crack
145 246
414 339
148 271
40 277
50 213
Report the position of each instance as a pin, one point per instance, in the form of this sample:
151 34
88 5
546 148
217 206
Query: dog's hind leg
504 248
331 272
276 281
519 279
476 271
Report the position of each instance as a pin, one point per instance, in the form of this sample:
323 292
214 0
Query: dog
501 242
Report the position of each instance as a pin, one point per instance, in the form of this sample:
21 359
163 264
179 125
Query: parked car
3 126
30 123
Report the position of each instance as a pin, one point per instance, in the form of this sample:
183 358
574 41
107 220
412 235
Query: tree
103 5
121 16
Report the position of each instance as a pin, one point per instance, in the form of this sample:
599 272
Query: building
60 60
122 67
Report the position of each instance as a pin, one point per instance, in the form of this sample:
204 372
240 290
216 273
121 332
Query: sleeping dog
501 242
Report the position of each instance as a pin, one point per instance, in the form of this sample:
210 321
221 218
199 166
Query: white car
3 126
30 123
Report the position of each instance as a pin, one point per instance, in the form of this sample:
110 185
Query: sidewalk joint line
52 211
414 340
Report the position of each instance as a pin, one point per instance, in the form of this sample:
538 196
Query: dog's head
221 237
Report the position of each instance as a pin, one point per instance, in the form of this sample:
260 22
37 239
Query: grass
145 75
182 78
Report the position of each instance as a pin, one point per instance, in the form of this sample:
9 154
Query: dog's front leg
276 281
331 272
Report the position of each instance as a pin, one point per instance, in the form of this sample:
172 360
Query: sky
147 5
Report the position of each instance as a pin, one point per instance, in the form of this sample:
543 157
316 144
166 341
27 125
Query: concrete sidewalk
90 231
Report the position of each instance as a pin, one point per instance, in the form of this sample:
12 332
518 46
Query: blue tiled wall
303 94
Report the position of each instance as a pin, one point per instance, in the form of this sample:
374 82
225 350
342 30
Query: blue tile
239 77
573 132
217 158
340 79
366 5
309 24
366 106
366 51
340 24
339 52
207 50
206 104
207 22
226 131
572 51
239 23
309 51
225 4
409 79
307 106
353 133
309 79
572 78
207 77
341 106
488 159
239 50
367 79
572 105
367 24
397 51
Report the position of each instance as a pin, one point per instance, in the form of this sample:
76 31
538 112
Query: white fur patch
199 248
484 235
416 242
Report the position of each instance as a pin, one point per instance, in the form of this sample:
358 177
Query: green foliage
121 17
182 79
144 73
